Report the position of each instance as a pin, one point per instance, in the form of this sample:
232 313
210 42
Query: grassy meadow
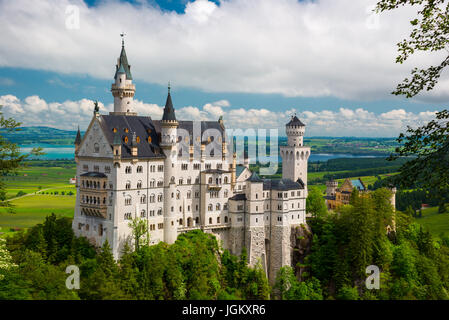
43 188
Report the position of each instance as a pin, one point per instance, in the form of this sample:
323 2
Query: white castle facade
180 176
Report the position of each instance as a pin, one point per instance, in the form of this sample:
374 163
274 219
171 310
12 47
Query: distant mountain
40 135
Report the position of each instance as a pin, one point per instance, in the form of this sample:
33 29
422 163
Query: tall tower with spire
169 136
295 155
123 89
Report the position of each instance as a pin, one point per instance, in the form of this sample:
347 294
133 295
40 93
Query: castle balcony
214 187
222 226
123 87
92 210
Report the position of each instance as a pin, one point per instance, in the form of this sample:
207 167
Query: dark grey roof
123 66
254 178
94 175
329 197
169 111
281 185
78 137
238 197
295 122
144 127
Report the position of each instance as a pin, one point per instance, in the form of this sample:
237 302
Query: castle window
139 169
196 207
139 185
226 219
128 201
142 214
96 148
299 193
126 130
114 130
160 225
138 139
210 180
159 198
188 208
126 139
149 140
225 206
128 170
196 166
159 211
180 222
217 207
184 166
210 207
128 185
225 179
210 220
180 208
218 219
160 183
225 193
180 181
128 216
257 208
107 169
189 180
85 167
160 168
143 199
189 194
208 166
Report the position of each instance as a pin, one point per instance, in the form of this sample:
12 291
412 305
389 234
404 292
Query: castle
183 175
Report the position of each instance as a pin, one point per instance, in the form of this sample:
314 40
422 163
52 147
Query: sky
254 62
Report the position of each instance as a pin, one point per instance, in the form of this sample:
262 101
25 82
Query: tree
430 33
315 204
429 144
140 232
10 155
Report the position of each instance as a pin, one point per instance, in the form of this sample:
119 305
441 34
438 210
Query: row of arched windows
93 200
93 184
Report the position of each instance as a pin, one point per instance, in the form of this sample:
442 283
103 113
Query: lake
67 152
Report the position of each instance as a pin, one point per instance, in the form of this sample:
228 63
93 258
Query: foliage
315 204
430 33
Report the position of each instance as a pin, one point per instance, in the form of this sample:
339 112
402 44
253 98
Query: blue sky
255 62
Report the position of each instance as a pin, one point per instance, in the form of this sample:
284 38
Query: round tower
169 128
295 155
123 89
331 187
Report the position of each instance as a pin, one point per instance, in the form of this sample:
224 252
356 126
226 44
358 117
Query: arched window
180 222
210 220
226 219
152 198
96 148
143 198
128 185
225 179
142 213
217 206
139 184
128 200
210 180
209 207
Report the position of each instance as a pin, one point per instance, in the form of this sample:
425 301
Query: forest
413 265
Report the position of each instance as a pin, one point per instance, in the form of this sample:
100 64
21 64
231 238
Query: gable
95 143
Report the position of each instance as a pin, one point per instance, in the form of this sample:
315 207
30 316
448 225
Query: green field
33 208
33 179
436 223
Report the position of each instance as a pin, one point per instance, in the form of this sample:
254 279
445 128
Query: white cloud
295 48
34 111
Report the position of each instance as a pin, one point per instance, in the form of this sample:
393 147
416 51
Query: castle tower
169 137
255 224
123 89
331 187
295 155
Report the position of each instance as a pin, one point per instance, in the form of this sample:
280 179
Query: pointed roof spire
117 140
254 178
78 137
169 111
123 65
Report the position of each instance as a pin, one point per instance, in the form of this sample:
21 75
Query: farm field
43 188
31 210
436 223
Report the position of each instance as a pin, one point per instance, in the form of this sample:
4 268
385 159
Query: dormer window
126 130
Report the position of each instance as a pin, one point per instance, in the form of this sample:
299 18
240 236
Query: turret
77 140
168 143
123 89
331 187
295 155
